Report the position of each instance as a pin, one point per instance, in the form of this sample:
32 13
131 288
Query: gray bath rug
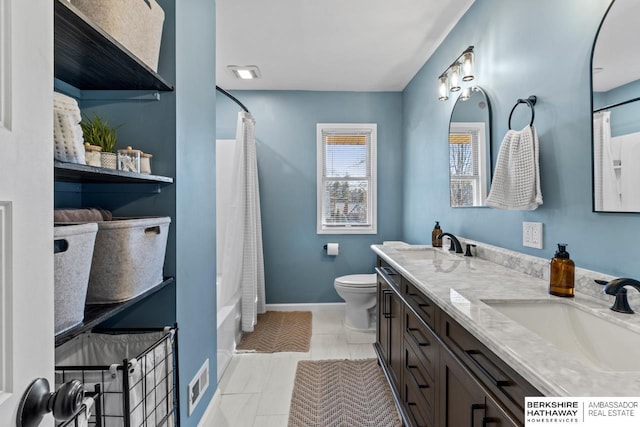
342 393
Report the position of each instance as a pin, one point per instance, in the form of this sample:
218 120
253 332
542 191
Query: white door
26 200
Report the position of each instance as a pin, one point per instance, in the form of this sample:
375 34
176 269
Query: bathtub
228 297
229 331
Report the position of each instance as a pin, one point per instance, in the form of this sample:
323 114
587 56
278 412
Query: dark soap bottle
435 242
562 273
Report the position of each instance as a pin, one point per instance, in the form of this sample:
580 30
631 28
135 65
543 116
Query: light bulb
454 79
467 67
466 94
443 88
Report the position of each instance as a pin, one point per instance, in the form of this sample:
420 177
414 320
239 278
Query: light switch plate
532 234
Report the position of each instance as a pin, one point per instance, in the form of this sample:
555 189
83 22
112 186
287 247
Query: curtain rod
233 98
617 104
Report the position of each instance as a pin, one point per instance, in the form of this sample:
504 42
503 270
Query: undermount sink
423 253
604 345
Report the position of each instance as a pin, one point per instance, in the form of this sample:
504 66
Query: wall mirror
615 78
470 149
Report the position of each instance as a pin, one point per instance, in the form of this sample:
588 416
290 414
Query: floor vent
198 386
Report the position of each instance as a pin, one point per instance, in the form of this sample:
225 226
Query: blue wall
297 270
195 196
522 48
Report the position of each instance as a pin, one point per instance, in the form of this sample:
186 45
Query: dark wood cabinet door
462 400
495 415
389 334
396 344
498 378
382 338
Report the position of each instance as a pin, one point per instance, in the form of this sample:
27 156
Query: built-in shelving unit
88 58
75 172
94 314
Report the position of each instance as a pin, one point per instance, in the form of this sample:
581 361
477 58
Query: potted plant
97 131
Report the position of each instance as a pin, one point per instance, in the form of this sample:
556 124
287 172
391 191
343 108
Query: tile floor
255 389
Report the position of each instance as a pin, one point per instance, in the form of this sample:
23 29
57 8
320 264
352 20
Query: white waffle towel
516 179
67 132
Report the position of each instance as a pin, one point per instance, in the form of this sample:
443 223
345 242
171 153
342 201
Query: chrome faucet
455 243
617 288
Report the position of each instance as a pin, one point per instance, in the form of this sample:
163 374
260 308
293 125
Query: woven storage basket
67 133
72 260
127 259
135 24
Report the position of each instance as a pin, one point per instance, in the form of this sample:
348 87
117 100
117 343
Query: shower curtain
606 181
242 262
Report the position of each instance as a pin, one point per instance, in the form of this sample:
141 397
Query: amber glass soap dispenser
435 242
562 272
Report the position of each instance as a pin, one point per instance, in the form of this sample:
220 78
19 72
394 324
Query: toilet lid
357 280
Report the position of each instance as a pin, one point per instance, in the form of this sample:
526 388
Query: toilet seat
357 281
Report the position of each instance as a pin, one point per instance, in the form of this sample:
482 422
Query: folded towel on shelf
81 215
516 179
67 133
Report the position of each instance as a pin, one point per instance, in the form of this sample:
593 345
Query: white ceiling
323 45
616 49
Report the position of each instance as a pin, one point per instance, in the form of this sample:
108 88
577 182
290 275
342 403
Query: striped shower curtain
243 264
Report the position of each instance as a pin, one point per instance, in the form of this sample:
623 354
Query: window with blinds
346 178
467 162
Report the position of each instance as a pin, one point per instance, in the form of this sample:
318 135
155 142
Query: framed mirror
615 79
470 149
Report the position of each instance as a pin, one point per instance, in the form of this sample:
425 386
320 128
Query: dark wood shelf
75 172
86 57
95 314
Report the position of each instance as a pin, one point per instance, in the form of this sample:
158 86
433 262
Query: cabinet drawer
415 407
423 391
420 303
422 340
506 384
389 274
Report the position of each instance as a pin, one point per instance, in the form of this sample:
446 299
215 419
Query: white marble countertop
459 285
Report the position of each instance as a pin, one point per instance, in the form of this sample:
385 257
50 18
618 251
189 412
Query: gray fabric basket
128 258
72 259
135 24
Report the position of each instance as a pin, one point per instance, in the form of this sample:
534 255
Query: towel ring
530 101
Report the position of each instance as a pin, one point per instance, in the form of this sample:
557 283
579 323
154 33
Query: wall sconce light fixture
450 78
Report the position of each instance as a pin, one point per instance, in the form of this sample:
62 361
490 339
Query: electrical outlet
532 234
198 385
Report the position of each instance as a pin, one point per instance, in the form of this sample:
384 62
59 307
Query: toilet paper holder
331 248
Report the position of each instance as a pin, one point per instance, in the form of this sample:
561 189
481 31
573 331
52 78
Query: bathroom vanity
464 340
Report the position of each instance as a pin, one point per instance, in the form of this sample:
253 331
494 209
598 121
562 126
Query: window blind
346 179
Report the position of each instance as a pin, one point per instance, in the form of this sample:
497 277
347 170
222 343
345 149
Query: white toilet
359 292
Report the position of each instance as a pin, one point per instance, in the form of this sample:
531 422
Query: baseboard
207 417
306 306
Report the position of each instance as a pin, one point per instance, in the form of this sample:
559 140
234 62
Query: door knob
38 400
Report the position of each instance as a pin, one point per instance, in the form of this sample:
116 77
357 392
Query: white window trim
478 128
372 197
